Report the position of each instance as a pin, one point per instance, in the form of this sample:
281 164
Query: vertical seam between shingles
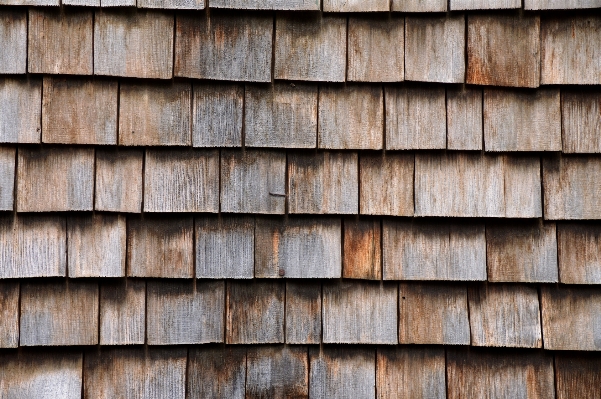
446 372
243 127
146 313
93 41
383 118
317 117
173 46
468 302
118 112
186 372
285 302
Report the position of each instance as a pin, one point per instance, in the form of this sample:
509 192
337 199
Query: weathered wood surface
355 5
362 252
433 314
503 50
218 373
188 312
173 4
376 50
281 115
8 163
135 43
60 41
579 253
9 314
435 49
581 120
433 251
410 373
577 376
360 312
86 3
155 114
303 312
310 48
118 3
571 318
135 373
486 4
21 105
217 114
288 375
13 40
255 312
342 373
415 118
64 313
123 312
419 5
181 181
504 315
464 119
53 179
30 2
560 4
351 117
296 5
570 50
225 247
324 182
298 248
119 180
160 247
224 47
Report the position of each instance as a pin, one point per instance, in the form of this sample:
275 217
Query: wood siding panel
217 114
581 120
288 375
362 252
13 41
7 177
123 312
119 180
9 314
419 5
173 4
296 5
464 119
579 253
21 105
485 4
118 3
303 312
577 376
218 373
560 4
355 5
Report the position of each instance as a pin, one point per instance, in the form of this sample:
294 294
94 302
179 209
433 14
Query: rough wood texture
362 252
122 312
181 181
135 373
218 373
173 4
296 5
566 310
217 113
486 4
155 114
64 313
525 252
581 119
288 375
255 312
298 248
87 3
21 105
324 182
224 47
225 247
342 373
310 48
160 247
415 118
13 41
433 251
376 50
579 253
464 119
60 41
136 43
503 50
351 117
560 4
118 3
419 5
8 163
505 315
360 312
119 180
355 5
281 115
9 314
435 48
303 312
577 376
185 312
410 373
53 179
477 185
433 314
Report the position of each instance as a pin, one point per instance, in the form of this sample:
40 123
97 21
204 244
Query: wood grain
580 119
288 375
485 4
303 312
8 163
173 4
118 3
362 252
21 104
355 5
464 119
122 312
217 113
218 372
9 314
119 180
560 4
577 376
579 253
13 40
296 5
87 3
419 5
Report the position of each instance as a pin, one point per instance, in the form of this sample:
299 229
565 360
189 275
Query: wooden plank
155 114
376 49
8 163
503 50
324 182
281 115
419 5
96 245
351 117
86 3
218 373
355 5
123 312
134 43
522 252
30 2
577 376
406 372
60 41
560 4
13 40
580 118
435 48
362 252
298 248
173 4
310 47
243 54
181 181
135 373
119 180
217 113
296 5
579 253
464 119
288 375
21 116
64 313
118 3
160 247
255 312
360 312
505 315
303 312
486 4
415 118
9 314
433 251
53 179
187 312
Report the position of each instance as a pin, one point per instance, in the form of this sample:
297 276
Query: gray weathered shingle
9 314
581 121
464 119
303 312
21 104
123 312
217 113
7 178
340 372
13 41
419 5
216 372
288 374
579 253
484 4
118 186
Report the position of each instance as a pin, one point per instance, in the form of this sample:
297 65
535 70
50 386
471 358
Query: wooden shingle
9 314
288 375
13 41
303 312
87 3
581 121
21 105
577 376
118 3
173 4
30 2
218 373
464 119
486 4
419 5
7 177
560 4
217 113
362 252
296 5
119 180
579 253
355 5
123 312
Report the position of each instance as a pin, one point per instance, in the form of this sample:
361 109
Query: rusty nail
282 272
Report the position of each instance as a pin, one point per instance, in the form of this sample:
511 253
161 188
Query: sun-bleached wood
340 372
310 47
9 314
355 5
419 5
63 313
362 252
218 372
577 376
119 180
303 312
560 5
118 3
281 115
173 4
579 253
296 5
486 4
464 119
288 375
13 41
580 120
21 105
122 312
8 163
217 113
